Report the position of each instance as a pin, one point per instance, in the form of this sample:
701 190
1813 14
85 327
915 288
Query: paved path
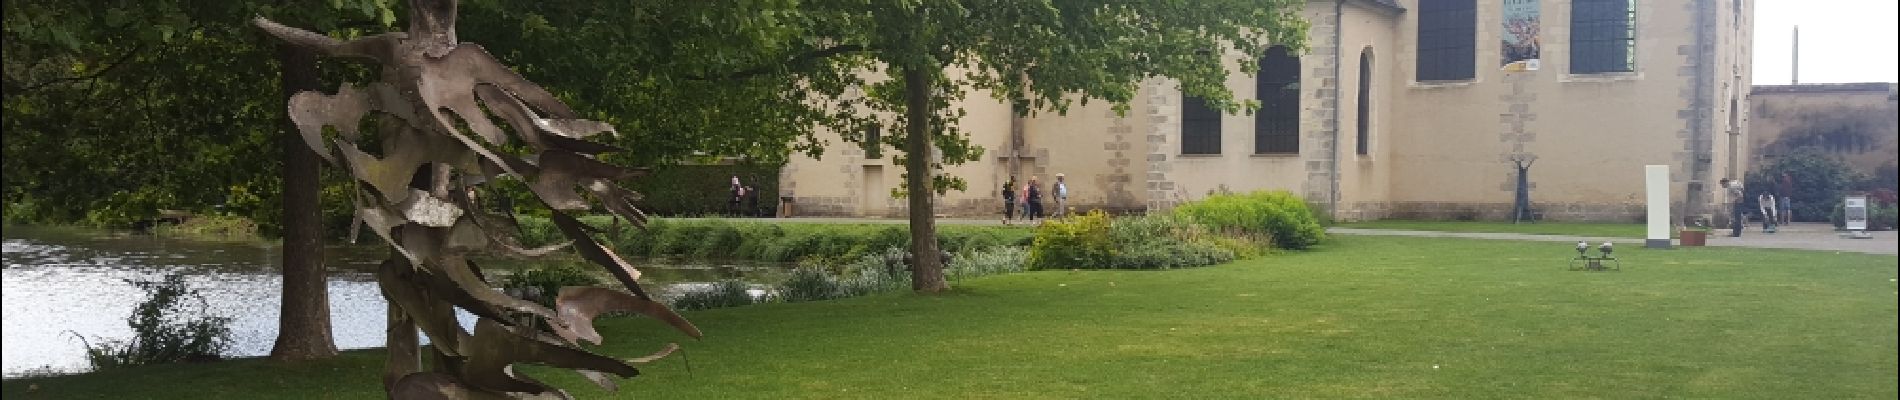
1804 236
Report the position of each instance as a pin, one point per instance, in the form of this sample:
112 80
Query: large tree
1036 55
117 109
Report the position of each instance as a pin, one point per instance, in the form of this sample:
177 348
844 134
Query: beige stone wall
1591 134
846 183
1365 179
1176 178
1783 113
1101 152
1437 149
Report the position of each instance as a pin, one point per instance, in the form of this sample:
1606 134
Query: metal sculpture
417 195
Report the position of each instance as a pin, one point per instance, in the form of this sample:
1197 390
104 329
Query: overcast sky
1841 40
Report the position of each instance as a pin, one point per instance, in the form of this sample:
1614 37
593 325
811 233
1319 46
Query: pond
63 284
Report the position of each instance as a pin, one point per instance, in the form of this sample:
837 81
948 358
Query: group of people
1028 198
1775 208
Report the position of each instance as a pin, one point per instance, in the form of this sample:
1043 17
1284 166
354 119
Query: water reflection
60 283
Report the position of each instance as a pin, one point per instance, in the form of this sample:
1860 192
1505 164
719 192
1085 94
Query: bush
212 227
542 282
165 330
991 261
727 293
810 284
879 272
1080 241
1819 183
1163 242
1879 217
1148 242
1278 215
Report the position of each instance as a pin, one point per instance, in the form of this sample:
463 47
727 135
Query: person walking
1766 203
1022 201
1035 199
1009 199
1734 200
1061 189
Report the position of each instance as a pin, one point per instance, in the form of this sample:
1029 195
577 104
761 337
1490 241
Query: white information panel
1854 209
1656 183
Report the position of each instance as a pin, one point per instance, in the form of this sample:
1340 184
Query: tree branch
795 60
122 60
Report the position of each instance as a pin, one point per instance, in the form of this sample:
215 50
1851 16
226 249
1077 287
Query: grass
1357 317
1593 229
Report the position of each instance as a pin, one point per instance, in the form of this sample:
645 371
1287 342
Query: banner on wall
1521 42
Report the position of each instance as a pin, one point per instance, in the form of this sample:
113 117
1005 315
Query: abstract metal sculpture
417 197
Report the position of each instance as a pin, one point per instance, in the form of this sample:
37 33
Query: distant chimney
1796 78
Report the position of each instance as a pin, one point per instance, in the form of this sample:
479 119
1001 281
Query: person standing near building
1766 202
1061 189
1009 199
1734 200
737 192
1786 191
1035 199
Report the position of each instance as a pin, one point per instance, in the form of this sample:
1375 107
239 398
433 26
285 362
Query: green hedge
696 190
765 240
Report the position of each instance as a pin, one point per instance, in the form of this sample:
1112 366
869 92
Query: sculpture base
1656 243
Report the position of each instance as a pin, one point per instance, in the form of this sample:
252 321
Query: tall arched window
1277 126
1365 101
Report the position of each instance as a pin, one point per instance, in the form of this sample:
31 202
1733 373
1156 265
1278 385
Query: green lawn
1359 317
1618 230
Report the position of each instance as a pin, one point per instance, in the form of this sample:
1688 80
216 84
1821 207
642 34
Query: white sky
1841 40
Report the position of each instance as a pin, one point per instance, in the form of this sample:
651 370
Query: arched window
1277 126
1365 101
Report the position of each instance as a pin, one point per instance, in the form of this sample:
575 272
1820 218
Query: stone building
1399 109
1857 122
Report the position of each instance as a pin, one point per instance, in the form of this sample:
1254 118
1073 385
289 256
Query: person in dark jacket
1035 199
1009 199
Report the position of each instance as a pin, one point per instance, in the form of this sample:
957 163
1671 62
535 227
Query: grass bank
1594 229
1385 317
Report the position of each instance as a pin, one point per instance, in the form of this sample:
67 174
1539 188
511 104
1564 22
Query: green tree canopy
1035 55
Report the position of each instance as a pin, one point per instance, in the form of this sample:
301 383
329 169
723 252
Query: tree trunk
401 342
926 274
303 325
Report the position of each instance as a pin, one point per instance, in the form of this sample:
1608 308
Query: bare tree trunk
926 273
303 325
404 348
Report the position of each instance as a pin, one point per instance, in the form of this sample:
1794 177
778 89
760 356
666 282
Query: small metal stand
1605 262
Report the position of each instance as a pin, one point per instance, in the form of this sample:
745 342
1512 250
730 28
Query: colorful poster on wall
1521 45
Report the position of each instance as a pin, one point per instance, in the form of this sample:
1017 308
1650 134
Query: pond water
61 284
